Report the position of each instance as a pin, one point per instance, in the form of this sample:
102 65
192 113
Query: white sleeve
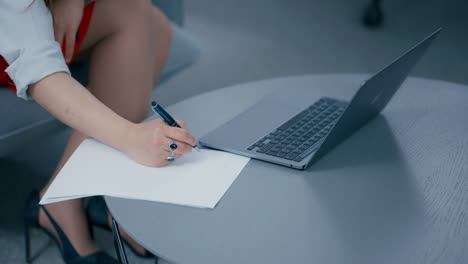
27 43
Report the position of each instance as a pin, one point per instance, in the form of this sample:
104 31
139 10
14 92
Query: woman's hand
67 17
148 143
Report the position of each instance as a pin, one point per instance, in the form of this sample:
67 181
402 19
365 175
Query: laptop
292 130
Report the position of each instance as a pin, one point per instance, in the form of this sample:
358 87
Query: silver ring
170 159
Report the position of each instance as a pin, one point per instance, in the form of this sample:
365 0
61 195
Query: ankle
81 242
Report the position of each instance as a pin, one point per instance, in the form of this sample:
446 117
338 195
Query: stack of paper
197 179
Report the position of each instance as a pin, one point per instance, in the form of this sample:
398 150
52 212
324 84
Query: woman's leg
128 44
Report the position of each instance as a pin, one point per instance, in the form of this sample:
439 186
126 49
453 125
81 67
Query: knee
132 7
140 19
127 13
142 14
161 29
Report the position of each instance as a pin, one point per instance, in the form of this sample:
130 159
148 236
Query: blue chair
22 121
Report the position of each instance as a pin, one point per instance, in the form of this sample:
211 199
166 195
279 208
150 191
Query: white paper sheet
197 179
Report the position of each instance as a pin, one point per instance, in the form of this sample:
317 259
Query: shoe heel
27 240
69 254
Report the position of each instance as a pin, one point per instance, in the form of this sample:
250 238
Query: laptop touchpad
262 118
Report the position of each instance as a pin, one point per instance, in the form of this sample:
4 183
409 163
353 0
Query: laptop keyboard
301 135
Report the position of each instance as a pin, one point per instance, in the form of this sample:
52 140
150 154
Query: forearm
71 103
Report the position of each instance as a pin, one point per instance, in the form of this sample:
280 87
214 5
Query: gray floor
246 40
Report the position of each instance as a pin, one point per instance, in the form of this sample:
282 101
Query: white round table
394 192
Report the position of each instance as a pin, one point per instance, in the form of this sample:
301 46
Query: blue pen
157 108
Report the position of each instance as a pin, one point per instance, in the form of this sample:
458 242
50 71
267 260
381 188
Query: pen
157 108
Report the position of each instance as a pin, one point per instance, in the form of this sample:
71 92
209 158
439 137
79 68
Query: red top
6 81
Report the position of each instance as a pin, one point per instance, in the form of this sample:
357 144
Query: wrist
125 138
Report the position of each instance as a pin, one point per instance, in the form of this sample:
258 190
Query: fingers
59 33
150 143
167 154
163 160
180 135
70 38
182 148
162 155
176 133
67 39
182 124
165 136
157 121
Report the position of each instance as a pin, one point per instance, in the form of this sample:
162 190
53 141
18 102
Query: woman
127 43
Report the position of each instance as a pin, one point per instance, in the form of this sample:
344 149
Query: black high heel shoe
97 216
69 254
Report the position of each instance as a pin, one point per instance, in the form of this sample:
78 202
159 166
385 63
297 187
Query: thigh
110 16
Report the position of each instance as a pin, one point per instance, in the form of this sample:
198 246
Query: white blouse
28 44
